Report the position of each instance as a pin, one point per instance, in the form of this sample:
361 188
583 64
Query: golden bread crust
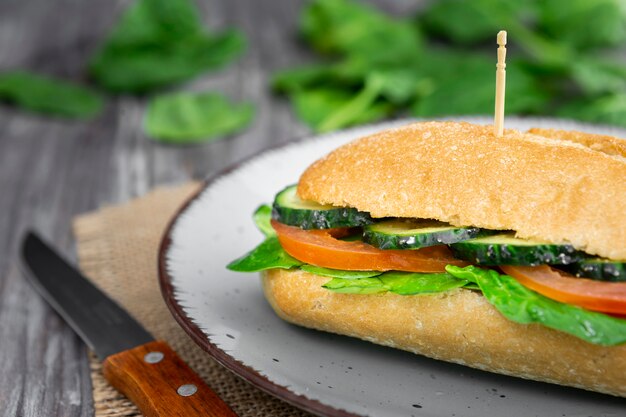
457 326
608 144
548 189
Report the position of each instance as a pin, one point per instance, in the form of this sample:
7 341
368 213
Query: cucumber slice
415 234
599 268
505 249
292 210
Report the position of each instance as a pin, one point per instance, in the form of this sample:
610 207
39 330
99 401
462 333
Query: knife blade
147 371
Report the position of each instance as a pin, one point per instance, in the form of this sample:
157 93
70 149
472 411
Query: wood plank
50 170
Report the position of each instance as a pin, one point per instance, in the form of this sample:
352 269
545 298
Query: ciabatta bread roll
557 187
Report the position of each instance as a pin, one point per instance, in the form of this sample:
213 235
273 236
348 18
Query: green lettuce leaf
471 286
338 273
522 305
262 217
409 283
187 118
404 283
47 95
269 254
356 286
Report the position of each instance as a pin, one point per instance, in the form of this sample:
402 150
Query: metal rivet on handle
187 390
153 357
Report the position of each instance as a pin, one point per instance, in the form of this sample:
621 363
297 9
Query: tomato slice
606 297
323 248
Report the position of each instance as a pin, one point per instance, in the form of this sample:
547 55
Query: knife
147 371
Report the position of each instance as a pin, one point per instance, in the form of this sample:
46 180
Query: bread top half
555 189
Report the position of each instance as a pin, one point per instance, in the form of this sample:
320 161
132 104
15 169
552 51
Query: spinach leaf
583 23
404 283
299 78
344 94
328 108
477 21
158 43
398 85
596 75
473 93
353 29
471 286
337 273
46 95
150 21
269 254
356 286
522 305
187 118
143 69
470 22
354 108
349 73
410 283
262 217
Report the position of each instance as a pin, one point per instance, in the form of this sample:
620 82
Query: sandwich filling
527 281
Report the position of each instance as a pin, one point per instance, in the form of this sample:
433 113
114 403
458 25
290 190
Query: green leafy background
564 59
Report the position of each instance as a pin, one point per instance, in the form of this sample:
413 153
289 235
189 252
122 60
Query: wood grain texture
52 169
154 387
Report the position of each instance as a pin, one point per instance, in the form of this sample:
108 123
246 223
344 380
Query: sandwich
503 253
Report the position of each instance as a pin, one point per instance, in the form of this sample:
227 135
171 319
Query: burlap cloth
117 249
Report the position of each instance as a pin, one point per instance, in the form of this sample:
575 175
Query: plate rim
233 365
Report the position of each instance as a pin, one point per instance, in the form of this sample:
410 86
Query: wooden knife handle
160 384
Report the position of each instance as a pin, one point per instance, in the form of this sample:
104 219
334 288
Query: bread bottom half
458 326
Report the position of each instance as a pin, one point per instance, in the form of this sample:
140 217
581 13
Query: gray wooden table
52 170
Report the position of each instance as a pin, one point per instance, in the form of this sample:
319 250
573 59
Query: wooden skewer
498 123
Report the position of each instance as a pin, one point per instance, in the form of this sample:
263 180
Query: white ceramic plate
226 314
